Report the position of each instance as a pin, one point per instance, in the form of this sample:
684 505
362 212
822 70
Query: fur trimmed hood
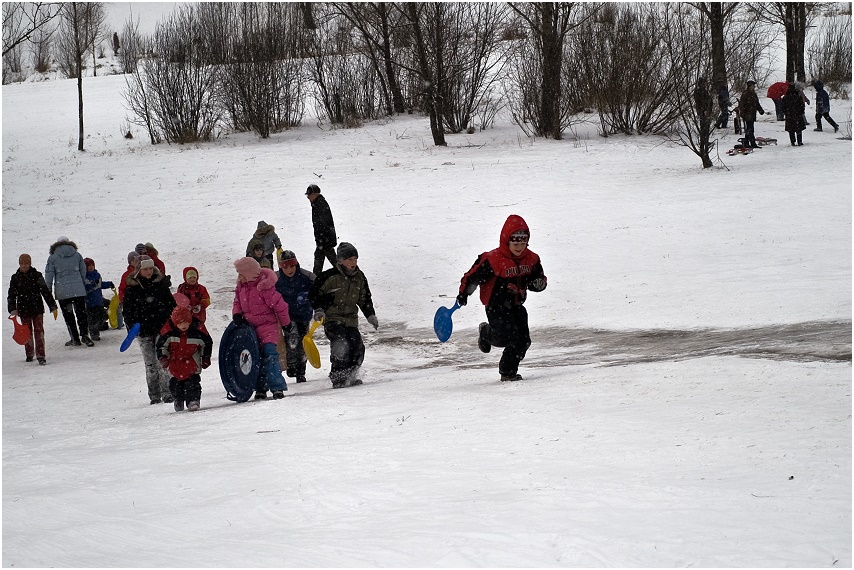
58 244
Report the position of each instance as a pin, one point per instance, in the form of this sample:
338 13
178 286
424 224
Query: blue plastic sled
239 361
443 323
132 334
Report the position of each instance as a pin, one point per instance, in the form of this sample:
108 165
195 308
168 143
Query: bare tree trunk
552 55
427 76
716 29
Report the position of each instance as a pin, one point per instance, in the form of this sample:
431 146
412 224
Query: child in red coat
196 293
505 275
184 348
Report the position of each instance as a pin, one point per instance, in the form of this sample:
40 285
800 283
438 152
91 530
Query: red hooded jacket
184 350
197 294
503 278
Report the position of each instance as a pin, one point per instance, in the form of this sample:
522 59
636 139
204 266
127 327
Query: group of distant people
279 306
789 104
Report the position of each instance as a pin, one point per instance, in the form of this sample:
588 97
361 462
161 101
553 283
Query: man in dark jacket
26 290
324 229
793 107
748 106
149 302
337 295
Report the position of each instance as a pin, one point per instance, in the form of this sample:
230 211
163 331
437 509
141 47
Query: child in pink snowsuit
258 303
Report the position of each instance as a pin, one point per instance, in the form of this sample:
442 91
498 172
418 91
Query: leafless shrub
173 92
829 53
261 82
134 46
748 42
41 48
13 64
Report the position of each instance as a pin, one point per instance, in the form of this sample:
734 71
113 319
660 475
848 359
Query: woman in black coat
793 106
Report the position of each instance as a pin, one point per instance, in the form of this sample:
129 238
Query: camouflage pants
155 376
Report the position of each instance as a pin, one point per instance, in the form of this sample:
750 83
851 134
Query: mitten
197 308
13 314
238 318
291 335
164 362
462 299
319 315
537 284
374 322
206 361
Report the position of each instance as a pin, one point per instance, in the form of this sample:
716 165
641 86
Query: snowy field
686 402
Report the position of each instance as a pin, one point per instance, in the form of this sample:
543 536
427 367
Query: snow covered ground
686 402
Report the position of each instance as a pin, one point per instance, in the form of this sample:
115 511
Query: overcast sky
149 13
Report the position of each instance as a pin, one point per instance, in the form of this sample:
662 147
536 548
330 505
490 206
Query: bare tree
42 41
830 52
795 17
80 25
717 13
22 19
375 22
261 87
176 88
550 24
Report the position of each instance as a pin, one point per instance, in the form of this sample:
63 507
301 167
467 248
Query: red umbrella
777 90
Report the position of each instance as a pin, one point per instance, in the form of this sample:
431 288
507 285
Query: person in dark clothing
505 275
95 311
793 107
822 107
294 284
27 288
748 106
723 105
265 236
149 302
324 229
337 295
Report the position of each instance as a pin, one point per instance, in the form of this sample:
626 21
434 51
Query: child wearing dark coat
27 288
337 295
505 275
294 284
94 299
184 349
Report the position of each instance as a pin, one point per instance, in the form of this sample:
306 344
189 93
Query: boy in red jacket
505 275
184 348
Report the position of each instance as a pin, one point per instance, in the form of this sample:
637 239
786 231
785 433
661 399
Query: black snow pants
508 328
189 390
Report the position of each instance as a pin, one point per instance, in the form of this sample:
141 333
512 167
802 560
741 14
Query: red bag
22 332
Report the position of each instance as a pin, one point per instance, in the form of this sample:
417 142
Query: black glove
206 361
291 335
537 284
238 318
462 299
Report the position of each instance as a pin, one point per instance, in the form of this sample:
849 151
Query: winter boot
154 401
29 359
179 405
193 406
482 343
42 361
168 399
511 377
300 379
339 378
87 341
278 394
259 395
73 342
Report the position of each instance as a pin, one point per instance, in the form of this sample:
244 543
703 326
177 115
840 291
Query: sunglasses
518 239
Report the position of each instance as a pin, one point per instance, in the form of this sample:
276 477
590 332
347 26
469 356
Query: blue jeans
271 373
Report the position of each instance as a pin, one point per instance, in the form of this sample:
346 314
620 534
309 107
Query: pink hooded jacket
262 306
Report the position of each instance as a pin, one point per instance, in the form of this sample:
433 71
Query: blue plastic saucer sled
239 361
132 334
443 322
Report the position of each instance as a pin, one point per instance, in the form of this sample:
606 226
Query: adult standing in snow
748 106
337 295
149 302
65 273
324 229
723 106
265 236
505 275
793 106
822 107
26 290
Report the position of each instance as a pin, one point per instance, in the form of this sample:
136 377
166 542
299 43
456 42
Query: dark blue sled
239 361
132 334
